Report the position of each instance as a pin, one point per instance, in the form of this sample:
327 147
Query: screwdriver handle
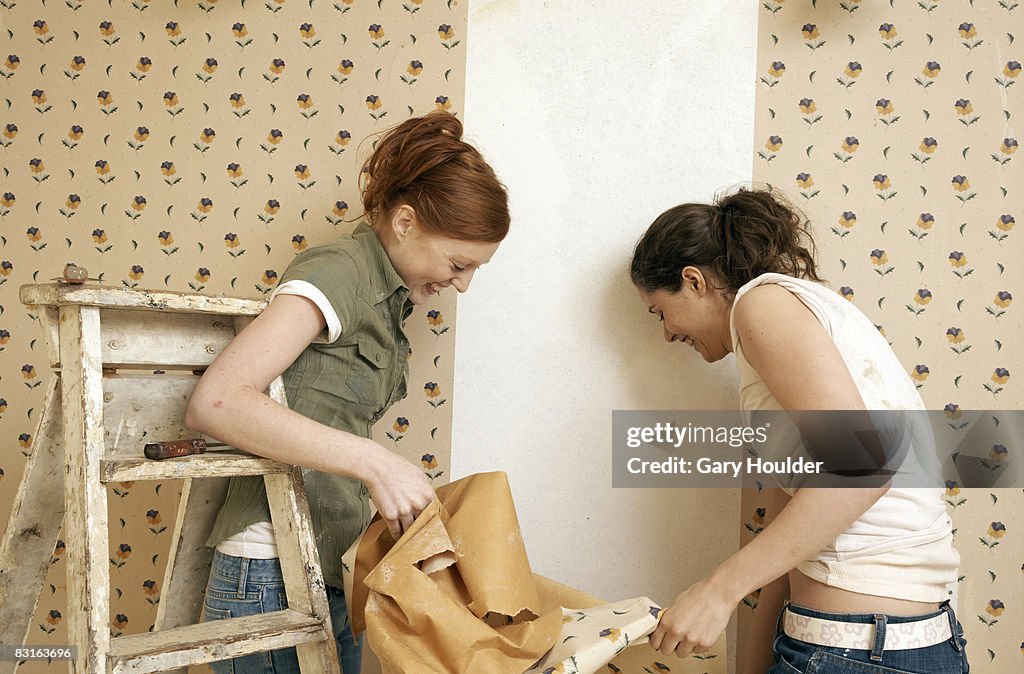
174 448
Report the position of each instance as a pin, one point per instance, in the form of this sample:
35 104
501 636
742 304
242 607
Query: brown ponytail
424 163
737 238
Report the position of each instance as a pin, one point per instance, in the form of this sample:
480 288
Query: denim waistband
246 570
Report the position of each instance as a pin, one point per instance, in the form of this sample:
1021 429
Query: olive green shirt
348 384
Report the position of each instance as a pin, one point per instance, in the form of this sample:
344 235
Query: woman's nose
462 280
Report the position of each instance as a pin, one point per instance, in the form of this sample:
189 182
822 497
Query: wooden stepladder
126 362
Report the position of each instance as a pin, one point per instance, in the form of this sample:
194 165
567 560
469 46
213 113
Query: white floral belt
860 636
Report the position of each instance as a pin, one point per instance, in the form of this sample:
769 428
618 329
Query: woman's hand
399 489
694 622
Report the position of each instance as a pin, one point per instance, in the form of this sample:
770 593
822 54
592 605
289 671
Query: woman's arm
803 370
229 404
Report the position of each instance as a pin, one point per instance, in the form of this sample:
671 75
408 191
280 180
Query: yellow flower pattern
922 117
612 638
117 155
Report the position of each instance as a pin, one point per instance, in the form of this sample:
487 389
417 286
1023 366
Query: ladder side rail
33 526
300 560
85 496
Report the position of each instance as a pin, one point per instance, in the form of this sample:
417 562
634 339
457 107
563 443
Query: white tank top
902 546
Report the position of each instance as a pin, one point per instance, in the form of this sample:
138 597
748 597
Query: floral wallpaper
894 126
198 146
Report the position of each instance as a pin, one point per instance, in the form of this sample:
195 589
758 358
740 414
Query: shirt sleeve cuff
316 296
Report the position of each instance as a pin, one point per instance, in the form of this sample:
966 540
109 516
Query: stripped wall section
598 117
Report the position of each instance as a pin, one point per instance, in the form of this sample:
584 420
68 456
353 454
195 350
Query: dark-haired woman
333 329
854 579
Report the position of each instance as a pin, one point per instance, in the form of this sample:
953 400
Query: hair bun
738 237
443 123
424 163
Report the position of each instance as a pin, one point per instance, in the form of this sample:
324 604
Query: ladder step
217 640
219 464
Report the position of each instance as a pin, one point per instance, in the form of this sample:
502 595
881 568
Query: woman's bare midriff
809 593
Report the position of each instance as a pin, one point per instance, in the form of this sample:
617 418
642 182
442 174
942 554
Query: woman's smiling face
692 315
428 262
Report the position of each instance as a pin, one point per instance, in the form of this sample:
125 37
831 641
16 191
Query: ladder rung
216 640
218 464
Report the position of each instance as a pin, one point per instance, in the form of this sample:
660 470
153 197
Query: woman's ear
403 219
693 279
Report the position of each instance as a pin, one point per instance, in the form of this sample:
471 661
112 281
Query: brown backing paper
455 594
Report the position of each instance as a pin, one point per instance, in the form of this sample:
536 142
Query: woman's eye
457 268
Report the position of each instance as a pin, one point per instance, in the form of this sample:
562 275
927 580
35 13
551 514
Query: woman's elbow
201 409
194 416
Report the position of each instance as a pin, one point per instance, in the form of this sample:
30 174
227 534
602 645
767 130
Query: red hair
424 163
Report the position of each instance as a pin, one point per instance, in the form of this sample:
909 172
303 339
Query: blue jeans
240 586
798 657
